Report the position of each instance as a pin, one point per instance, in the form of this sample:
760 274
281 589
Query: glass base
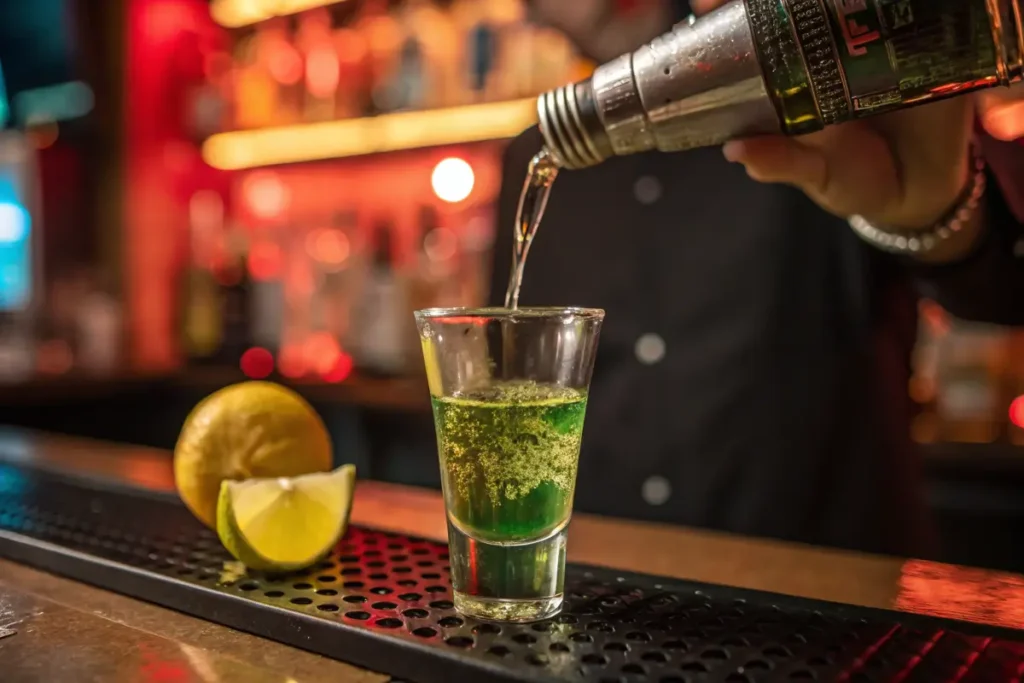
516 582
515 611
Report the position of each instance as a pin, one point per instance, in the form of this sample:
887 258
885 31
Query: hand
906 170
1002 112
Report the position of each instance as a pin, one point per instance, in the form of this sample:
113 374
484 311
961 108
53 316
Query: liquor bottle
255 93
322 68
20 256
790 66
380 319
330 250
355 78
200 313
423 280
267 296
384 41
408 87
482 55
200 305
283 61
431 35
235 287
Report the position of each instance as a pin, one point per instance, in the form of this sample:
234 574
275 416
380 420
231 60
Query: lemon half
248 430
285 524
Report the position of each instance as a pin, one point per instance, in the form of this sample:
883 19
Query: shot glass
509 394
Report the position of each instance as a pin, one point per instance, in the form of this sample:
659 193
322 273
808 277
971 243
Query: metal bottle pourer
731 74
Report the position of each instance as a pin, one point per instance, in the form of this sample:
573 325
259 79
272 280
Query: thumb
843 174
700 7
780 160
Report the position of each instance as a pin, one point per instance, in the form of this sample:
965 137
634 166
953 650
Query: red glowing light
322 352
341 371
330 247
165 20
284 62
291 361
1017 412
257 363
322 71
265 261
265 194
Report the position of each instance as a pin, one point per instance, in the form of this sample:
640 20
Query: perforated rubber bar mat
383 601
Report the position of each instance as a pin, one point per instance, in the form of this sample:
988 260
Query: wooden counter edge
657 549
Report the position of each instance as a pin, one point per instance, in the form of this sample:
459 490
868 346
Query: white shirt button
650 349
656 491
647 189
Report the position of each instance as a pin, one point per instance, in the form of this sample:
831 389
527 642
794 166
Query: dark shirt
753 367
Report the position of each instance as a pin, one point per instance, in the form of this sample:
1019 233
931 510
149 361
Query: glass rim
508 313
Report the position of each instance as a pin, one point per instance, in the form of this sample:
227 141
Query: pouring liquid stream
534 199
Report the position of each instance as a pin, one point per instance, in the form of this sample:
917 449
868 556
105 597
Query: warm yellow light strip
386 133
237 13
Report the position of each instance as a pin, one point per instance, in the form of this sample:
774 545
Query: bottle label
828 61
896 52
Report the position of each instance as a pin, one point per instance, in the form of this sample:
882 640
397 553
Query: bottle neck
699 85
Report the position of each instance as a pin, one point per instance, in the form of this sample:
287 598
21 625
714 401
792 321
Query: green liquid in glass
508 459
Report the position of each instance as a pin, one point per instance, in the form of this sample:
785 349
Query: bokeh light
329 247
265 261
453 180
265 194
257 363
1017 412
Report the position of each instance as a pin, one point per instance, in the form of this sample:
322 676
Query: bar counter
54 629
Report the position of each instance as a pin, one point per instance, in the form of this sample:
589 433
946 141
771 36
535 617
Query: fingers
700 7
1004 121
780 160
848 171
1002 112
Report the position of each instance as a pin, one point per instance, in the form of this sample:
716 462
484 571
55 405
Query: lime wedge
285 524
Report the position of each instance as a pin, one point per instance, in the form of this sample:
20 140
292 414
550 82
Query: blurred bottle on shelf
281 58
235 292
355 72
378 59
265 267
384 40
200 305
381 321
322 67
518 56
442 44
476 244
98 331
481 52
331 250
255 91
209 100
20 256
426 275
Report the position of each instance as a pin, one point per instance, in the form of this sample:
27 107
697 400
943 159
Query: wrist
950 195
950 238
